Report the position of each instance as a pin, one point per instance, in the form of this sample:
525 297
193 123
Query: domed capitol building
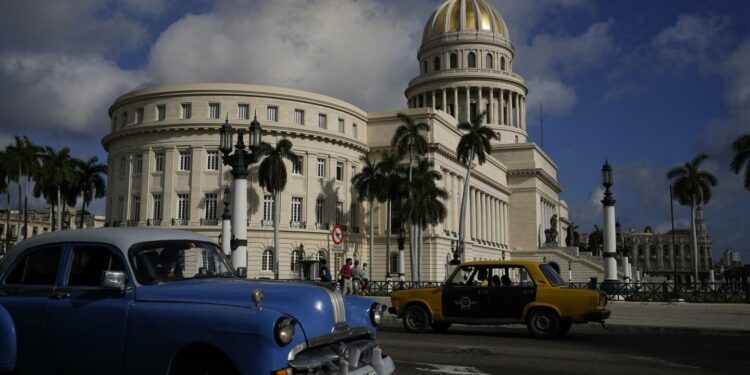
166 169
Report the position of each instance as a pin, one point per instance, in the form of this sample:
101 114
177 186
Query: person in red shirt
346 276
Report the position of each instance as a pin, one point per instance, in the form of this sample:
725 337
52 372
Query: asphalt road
588 349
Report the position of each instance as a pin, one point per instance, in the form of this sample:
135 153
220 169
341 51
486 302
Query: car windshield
552 276
166 261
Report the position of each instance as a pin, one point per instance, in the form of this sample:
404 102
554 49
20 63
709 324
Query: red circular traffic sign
337 235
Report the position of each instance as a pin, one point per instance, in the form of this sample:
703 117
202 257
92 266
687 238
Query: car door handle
60 295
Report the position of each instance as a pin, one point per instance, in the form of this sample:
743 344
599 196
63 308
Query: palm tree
475 143
91 182
692 187
56 176
571 234
22 160
389 168
425 207
741 158
272 176
408 139
370 186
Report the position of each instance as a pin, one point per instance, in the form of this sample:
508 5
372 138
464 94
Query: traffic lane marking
446 369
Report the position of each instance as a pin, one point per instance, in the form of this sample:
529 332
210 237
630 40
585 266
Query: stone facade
164 141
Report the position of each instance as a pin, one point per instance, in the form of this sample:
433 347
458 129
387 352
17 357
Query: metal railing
207 222
153 222
180 222
669 292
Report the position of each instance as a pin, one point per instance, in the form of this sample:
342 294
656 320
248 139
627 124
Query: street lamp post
239 161
610 262
401 238
226 225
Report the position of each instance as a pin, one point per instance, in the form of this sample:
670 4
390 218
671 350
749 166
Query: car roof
122 238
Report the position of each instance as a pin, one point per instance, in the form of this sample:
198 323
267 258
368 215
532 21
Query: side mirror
113 280
242 272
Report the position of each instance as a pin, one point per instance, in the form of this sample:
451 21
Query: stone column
445 101
480 105
434 106
455 102
610 262
471 213
492 106
506 227
468 103
503 118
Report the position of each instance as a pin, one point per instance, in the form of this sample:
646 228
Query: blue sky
647 84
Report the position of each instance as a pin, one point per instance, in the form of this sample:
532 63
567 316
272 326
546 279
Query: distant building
657 255
40 221
731 258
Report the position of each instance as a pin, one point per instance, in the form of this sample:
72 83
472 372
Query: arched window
472 60
267 261
454 61
488 61
437 64
502 63
297 256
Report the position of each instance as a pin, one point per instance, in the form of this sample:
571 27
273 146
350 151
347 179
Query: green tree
57 174
596 241
273 177
425 207
475 143
692 187
91 182
409 139
571 236
370 186
394 183
22 161
741 147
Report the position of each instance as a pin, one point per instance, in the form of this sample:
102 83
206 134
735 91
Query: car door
25 293
86 323
514 291
464 297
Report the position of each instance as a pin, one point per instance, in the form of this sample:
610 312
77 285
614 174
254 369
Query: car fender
537 304
7 341
418 301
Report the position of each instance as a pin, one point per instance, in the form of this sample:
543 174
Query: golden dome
465 15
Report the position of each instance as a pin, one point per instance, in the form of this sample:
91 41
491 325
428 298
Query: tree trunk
83 208
387 241
59 211
695 243
372 232
412 228
276 252
420 243
462 214
20 203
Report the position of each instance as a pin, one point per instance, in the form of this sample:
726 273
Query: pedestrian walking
325 273
346 277
365 278
356 277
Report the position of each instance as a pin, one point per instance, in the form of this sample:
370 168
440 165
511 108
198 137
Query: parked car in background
501 292
149 301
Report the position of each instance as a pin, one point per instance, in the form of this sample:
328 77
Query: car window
166 261
37 267
552 275
463 277
89 261
511 276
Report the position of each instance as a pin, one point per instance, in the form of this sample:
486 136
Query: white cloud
359 51
693 40
59 91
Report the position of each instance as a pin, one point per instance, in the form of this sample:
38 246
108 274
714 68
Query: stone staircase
575 266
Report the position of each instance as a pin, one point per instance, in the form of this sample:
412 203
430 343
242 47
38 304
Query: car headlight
283 331
376 314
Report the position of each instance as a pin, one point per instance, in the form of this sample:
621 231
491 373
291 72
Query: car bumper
362 357
596 316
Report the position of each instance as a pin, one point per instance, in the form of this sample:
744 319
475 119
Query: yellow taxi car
501 292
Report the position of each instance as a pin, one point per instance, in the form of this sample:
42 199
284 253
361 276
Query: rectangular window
211 204
185 160
267 210
159 162
136 211
273 114
323 121
138 164
213 110
354 130
296 209
183 206
123 166
297 166
341 125
161 112
339 171
243 111
319 211
157 207
339 213
322 168
212 161
139 116
299 117
187 111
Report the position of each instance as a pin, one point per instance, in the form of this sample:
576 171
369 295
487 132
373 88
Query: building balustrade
266 223
153 222
132 223
297 224
209 221
179 222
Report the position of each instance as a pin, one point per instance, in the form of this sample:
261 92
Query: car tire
416 319
440 326
543 323
203 365
564 328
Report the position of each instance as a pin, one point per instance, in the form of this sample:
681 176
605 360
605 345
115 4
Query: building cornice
538 173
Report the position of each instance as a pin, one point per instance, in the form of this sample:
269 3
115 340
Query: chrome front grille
337 303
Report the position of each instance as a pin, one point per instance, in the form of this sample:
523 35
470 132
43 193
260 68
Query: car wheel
203 365
564 328
416 319
543 323
440 326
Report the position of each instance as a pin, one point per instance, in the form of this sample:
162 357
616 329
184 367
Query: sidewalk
658 316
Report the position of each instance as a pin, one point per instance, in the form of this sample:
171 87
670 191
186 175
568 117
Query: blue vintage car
148 301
